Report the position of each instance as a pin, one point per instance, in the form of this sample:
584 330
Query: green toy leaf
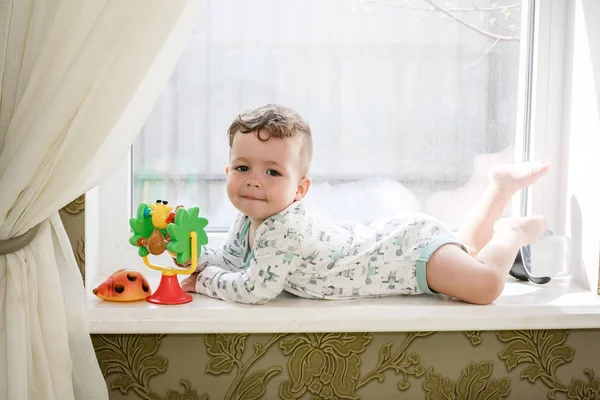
186 221
140 225
178 246
134 240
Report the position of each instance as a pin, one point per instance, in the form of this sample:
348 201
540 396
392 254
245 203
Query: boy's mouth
250 197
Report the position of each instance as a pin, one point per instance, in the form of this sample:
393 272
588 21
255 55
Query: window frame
548 82
107 232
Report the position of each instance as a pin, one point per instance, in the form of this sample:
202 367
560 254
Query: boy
275 245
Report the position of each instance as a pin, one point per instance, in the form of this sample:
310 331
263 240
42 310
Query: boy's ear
302 188
227 170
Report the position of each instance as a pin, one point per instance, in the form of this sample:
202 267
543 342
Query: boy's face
264 178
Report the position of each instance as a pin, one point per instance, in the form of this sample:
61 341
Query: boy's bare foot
524 230
510 178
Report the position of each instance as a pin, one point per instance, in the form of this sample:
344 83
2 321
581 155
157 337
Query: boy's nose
253 183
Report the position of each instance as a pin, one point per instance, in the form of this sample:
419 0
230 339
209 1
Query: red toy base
169 292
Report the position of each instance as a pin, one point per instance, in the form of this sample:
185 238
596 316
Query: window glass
410 102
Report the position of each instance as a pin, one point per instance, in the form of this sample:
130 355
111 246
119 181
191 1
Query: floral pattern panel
415 365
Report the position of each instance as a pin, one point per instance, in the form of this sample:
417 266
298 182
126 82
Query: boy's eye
242 168
272 172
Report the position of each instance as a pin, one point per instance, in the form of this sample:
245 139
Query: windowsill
557 305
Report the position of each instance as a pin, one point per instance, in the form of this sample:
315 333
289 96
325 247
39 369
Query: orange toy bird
124 285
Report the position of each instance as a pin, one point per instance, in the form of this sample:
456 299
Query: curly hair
274 121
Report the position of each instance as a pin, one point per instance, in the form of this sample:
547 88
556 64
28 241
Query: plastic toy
157 228
124 285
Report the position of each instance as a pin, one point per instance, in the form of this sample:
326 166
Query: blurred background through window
410 102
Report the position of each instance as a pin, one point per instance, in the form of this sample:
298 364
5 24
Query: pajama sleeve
273 260
211 256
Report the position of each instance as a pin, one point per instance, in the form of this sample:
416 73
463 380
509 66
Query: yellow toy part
160 214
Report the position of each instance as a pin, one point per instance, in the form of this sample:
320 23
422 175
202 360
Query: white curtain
77 80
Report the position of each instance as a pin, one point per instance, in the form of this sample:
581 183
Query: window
401 101
410 103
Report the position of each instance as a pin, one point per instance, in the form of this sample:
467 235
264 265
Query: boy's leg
480 279
504 181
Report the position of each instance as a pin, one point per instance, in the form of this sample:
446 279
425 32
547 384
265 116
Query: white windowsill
557 305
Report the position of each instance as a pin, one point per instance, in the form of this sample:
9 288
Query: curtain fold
78 79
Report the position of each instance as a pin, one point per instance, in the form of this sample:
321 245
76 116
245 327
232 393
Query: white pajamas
312 257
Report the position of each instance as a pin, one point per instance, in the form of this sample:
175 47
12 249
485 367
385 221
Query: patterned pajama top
312 257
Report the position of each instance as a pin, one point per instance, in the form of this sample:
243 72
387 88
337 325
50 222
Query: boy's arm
262 281
209 256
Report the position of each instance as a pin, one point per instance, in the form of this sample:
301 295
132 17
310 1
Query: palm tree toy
157 228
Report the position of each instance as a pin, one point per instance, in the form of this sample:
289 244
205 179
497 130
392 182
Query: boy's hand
185 265
189 283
